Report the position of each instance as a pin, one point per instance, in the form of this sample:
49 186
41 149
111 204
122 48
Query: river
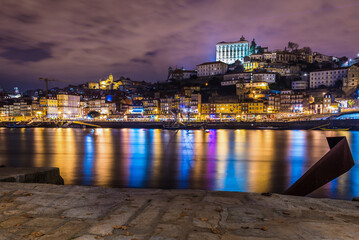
226 160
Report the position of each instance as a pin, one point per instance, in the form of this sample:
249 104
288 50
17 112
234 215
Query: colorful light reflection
228 160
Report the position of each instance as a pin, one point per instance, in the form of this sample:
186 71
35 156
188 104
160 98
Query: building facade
299 85
229 52
211 69
68 106
264 77
352 80
327 77
49 107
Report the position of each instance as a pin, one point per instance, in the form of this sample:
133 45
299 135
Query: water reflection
228 160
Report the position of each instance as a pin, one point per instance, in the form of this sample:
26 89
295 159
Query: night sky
81 41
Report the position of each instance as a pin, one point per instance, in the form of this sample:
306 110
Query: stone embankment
351 124
45 211
31 175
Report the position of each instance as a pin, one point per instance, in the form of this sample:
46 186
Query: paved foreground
43 211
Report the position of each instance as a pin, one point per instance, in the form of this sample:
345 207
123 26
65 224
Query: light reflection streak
229 160
138 158
104 157
297 155
89 159
185 138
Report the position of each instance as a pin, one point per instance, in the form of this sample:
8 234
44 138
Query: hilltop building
229 52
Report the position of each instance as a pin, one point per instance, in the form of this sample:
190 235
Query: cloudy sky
85 40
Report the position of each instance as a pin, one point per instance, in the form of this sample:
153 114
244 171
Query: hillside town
247 82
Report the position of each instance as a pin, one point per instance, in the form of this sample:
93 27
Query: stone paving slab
44 211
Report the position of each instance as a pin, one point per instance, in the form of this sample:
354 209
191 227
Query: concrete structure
211 69
229 52
327 77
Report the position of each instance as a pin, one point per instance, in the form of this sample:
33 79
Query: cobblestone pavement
43 211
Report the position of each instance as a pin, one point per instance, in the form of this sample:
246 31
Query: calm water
229 160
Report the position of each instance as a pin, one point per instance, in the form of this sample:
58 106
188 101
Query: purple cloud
140 39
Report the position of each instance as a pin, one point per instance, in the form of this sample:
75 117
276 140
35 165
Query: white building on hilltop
229 52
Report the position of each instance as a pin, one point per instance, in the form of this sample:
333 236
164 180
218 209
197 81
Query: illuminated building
49 107
185 104
249 66
68 106
211 69
291 101
221 110
195 103
166 106
327 77
229 52
255 107
322 105
22 108
107 84
134 111
101 106
93 85
151 106
273 103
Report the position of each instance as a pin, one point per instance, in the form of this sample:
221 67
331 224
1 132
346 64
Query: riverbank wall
350 124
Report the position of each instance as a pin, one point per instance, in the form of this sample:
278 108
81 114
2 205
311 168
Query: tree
307 50
293 45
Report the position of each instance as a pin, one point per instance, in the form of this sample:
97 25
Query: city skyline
83 41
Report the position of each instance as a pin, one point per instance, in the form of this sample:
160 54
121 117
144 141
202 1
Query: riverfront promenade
45 211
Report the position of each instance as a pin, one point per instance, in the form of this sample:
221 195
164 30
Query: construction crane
47 80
